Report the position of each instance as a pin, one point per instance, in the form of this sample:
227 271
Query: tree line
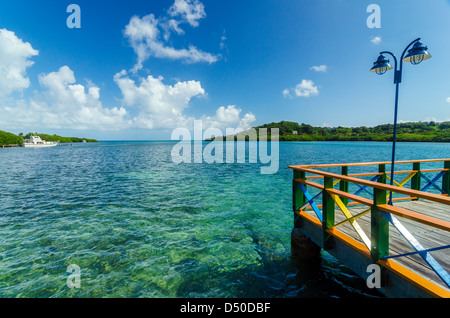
9 139
406 132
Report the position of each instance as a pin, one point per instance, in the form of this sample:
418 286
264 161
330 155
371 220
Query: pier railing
342 190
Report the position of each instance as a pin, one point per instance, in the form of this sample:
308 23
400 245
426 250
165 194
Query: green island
406 132
9 139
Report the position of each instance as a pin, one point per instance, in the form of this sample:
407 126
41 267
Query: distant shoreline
281 141
11 140
406 132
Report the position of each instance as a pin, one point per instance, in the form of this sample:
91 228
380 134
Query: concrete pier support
303 247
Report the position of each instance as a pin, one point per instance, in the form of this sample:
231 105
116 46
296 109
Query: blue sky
139 69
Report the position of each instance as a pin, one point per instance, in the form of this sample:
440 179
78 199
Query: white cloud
448 99
146 38
162 106
62 103
14 60
229 117
67 104
189 10
159 105
306 88
321 68
172 25
376 40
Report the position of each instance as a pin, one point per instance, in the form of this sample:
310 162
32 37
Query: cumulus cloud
448 99
160 105
67 103
321 68
148 36
62 103
14 60
229 117
59 103
376 40
306 88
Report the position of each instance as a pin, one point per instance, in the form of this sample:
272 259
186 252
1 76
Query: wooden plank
428 236
401 280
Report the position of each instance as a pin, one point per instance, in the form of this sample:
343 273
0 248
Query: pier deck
408 239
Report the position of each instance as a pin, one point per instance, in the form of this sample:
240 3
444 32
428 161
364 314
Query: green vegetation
406 132
61 139
8 139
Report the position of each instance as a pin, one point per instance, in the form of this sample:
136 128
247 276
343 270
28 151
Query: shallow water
139 225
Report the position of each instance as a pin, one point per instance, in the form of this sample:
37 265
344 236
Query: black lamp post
415 56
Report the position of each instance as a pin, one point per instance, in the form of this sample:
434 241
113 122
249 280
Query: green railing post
343 185
327 212
382 169
415 180
298 198
446 178
379 227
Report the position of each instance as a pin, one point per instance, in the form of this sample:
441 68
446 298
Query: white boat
37 142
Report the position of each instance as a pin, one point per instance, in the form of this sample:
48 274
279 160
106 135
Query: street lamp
416 55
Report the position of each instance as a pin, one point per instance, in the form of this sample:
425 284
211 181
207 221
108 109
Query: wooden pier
350 216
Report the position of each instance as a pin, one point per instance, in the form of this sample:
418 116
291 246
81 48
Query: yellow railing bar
402 183
352 218
353 222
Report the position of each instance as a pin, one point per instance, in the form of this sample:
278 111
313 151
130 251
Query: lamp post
416 55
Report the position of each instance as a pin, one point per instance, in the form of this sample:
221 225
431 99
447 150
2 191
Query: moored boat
37 142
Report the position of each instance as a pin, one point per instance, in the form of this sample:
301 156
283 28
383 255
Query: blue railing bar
364 188
412 253
438 269
314 198
311 202
432 182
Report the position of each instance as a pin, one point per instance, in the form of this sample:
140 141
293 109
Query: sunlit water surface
139 225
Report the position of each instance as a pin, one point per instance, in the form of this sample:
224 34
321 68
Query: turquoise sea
138 225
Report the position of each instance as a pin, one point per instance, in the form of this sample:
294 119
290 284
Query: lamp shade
417 54
381 66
